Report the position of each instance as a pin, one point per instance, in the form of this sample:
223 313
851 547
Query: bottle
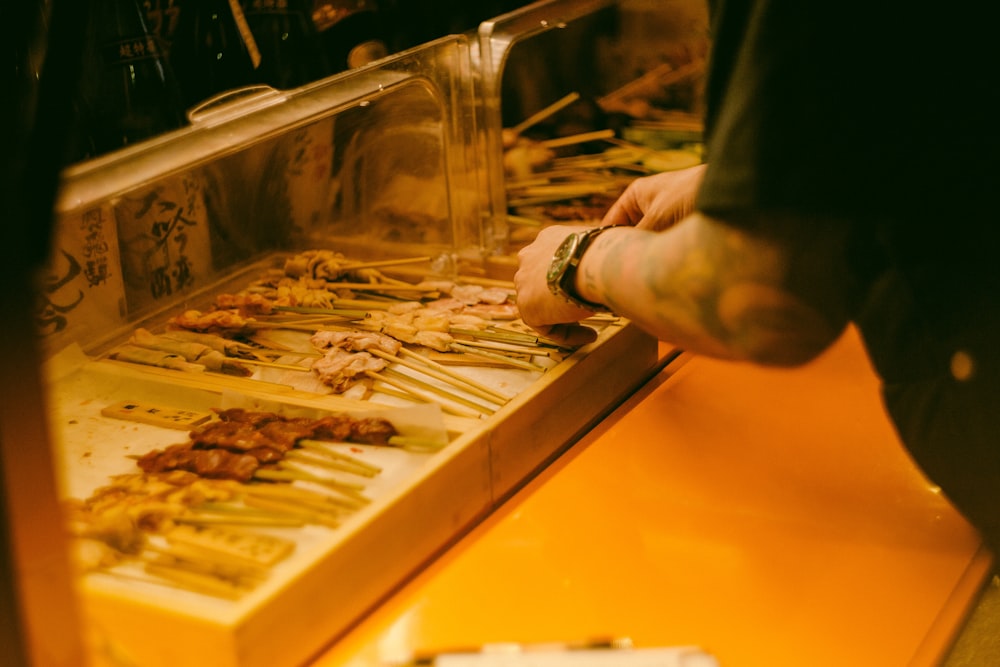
213 49
129 92
25 32
351 32
290 53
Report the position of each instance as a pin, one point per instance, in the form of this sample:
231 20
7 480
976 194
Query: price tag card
241 545
156 415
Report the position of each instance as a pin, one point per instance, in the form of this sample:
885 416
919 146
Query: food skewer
236 517
581 138
163 577
315 459
661 76
510 361
412 393
433 388
384 262
514 349
511 134
349 495
410 354
323 447
271 364
444 375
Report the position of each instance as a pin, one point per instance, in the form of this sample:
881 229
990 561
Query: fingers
657 202
625 211
568 335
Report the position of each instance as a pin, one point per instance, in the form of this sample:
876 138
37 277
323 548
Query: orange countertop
769 516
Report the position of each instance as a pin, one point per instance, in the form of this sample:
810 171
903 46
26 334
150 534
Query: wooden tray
334 576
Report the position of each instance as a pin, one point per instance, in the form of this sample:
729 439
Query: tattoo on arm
720 290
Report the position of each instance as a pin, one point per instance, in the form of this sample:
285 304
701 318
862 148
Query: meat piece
239 436
216 320
355 341
491 311
254 418
192 351
244 441
448 304
266 454
401 308
143 355
217 343
247 304
436 340
209 463
467 294
282 435
335 428
372 430
339 368
431 320
495 295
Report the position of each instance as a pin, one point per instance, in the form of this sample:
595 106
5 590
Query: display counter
770 517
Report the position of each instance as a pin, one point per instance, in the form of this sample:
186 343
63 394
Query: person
850 178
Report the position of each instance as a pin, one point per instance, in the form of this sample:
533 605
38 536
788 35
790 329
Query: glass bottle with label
290 53
213 49
129 92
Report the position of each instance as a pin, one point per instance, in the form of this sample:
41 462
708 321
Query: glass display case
201 276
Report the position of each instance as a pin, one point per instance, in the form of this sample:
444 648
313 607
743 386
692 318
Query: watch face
560 259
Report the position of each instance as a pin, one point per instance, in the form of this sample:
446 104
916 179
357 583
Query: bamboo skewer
315 459
542 114
414 394
661 76
349 496
383 263
439 372
374 287
210 561
271 364
435 389
217 517
581 138
301 512
517 363
213 586
195 581
414 444
521 350
410 354
310 310
293 494
323 448
500 336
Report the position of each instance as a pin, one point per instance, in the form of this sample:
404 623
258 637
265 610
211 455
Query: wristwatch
561 277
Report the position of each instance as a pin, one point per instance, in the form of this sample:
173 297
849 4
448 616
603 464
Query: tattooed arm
777 295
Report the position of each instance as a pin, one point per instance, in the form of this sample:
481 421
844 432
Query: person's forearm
709 289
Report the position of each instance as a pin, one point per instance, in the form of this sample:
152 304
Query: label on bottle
122 52
165 244
81 294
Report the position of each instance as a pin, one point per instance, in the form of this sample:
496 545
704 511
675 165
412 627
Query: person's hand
657 202
550 316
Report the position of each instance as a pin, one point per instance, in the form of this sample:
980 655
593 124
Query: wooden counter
769 516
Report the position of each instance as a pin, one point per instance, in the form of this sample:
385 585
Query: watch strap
567 283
